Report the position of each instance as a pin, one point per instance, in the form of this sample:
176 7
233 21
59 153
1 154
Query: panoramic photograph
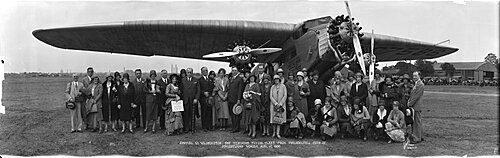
249 78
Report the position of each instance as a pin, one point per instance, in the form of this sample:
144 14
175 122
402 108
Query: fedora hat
237 109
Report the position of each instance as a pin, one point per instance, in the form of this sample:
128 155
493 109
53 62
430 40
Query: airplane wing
388 48
176 38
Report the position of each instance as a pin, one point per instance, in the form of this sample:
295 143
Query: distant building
477 71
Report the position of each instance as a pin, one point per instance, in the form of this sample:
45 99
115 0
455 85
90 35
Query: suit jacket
361 92
206 86
190 89
86 82
235 89
334 91
163 87
259 77
140 93
73 91
416 94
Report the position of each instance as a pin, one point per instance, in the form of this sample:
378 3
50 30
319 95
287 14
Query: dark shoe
73 131
205 130
253 136
114 129
123 130
79 131
146 130
131 131
153 131
95 130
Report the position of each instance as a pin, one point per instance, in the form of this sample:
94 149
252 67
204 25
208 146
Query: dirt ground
37 123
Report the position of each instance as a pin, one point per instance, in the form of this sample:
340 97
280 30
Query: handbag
70 105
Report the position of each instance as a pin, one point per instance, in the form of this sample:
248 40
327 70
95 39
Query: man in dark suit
235 93
317 88
140 99
206 88
190 97
162 98
86 83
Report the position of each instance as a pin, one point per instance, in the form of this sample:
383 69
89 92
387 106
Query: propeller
242 50
220 54
355 40
372 56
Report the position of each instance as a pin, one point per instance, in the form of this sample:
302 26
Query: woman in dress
277 106
360 119
118 82
126 102
379 120
396 124
329 124
173 119
94 104
290 85
109 103
301 93
251 104
344 114
265 88
152 91
221 83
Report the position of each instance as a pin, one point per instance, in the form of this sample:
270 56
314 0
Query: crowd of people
295 105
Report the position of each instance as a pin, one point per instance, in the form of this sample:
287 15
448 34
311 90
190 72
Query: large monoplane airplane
324 44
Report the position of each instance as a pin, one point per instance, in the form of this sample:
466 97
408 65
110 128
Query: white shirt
164 80
109 87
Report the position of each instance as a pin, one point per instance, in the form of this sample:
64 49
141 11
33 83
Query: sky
473 27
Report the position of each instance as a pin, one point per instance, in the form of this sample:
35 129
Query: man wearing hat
235 94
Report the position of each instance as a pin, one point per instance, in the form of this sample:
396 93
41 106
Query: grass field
37 123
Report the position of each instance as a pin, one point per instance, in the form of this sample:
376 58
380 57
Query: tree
425 67
491 58
405 68
448 68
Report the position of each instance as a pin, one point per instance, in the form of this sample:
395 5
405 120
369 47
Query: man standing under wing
415 102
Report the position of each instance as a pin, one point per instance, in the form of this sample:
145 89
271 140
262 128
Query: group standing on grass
294 106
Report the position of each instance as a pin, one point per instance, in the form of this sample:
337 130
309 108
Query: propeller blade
260 51
372 64
220 54
357 44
